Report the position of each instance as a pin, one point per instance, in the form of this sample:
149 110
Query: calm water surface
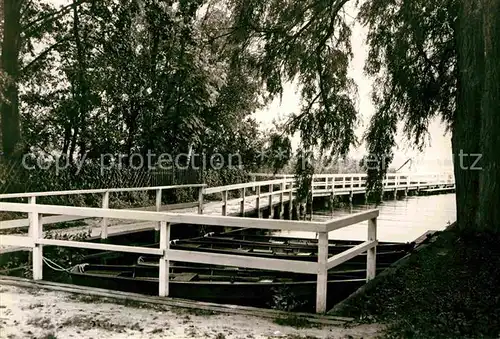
400 220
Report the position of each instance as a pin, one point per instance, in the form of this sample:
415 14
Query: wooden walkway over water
251 197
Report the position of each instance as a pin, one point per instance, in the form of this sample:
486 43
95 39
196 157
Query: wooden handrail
36 241
94 191
219 189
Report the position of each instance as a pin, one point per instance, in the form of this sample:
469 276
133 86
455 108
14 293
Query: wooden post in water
282 190
200 200
242 205
312 200
371 255
257 203
164 264
322 278
224 203
104 221
158 208
271 208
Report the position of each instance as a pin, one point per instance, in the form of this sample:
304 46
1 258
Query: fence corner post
371 256
36 232
164 269
322 279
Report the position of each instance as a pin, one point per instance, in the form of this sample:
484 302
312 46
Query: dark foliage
448 290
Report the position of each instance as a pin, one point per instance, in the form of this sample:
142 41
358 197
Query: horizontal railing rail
322 185
36 241
105 193
286 187
326 183
97 191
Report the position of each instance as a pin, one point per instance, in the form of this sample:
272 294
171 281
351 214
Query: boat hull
258 294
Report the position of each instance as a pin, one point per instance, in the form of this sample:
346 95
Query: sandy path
28 313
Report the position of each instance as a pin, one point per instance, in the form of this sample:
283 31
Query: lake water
400 220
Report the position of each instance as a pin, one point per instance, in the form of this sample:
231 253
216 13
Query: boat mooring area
234 245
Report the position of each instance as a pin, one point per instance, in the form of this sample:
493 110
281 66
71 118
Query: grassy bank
450 289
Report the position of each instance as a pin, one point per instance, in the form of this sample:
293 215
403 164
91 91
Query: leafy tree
25 23
429 60
133 77
412 57
307 41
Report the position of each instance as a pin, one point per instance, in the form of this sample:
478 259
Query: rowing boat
232 287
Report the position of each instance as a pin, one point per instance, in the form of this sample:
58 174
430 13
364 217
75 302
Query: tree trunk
9 64
489 200
467 122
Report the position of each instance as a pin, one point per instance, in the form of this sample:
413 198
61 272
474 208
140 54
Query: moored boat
270 250
233 287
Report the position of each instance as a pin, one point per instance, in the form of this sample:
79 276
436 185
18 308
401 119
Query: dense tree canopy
127 77
169 76
412 57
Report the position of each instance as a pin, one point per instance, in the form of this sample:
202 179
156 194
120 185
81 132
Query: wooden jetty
257 194
254 198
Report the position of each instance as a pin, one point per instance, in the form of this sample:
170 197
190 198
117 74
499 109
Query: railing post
310 203
371 256
31 200
224 203
164 264
104 221
257 202
242 206
290 201
322 278
332 195
158 208
200 200
282 189
36 232
271 208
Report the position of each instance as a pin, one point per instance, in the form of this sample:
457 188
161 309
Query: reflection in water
399 220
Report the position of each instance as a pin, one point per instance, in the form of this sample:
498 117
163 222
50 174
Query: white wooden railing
327 184
323 185
105 194
36 241
286 187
